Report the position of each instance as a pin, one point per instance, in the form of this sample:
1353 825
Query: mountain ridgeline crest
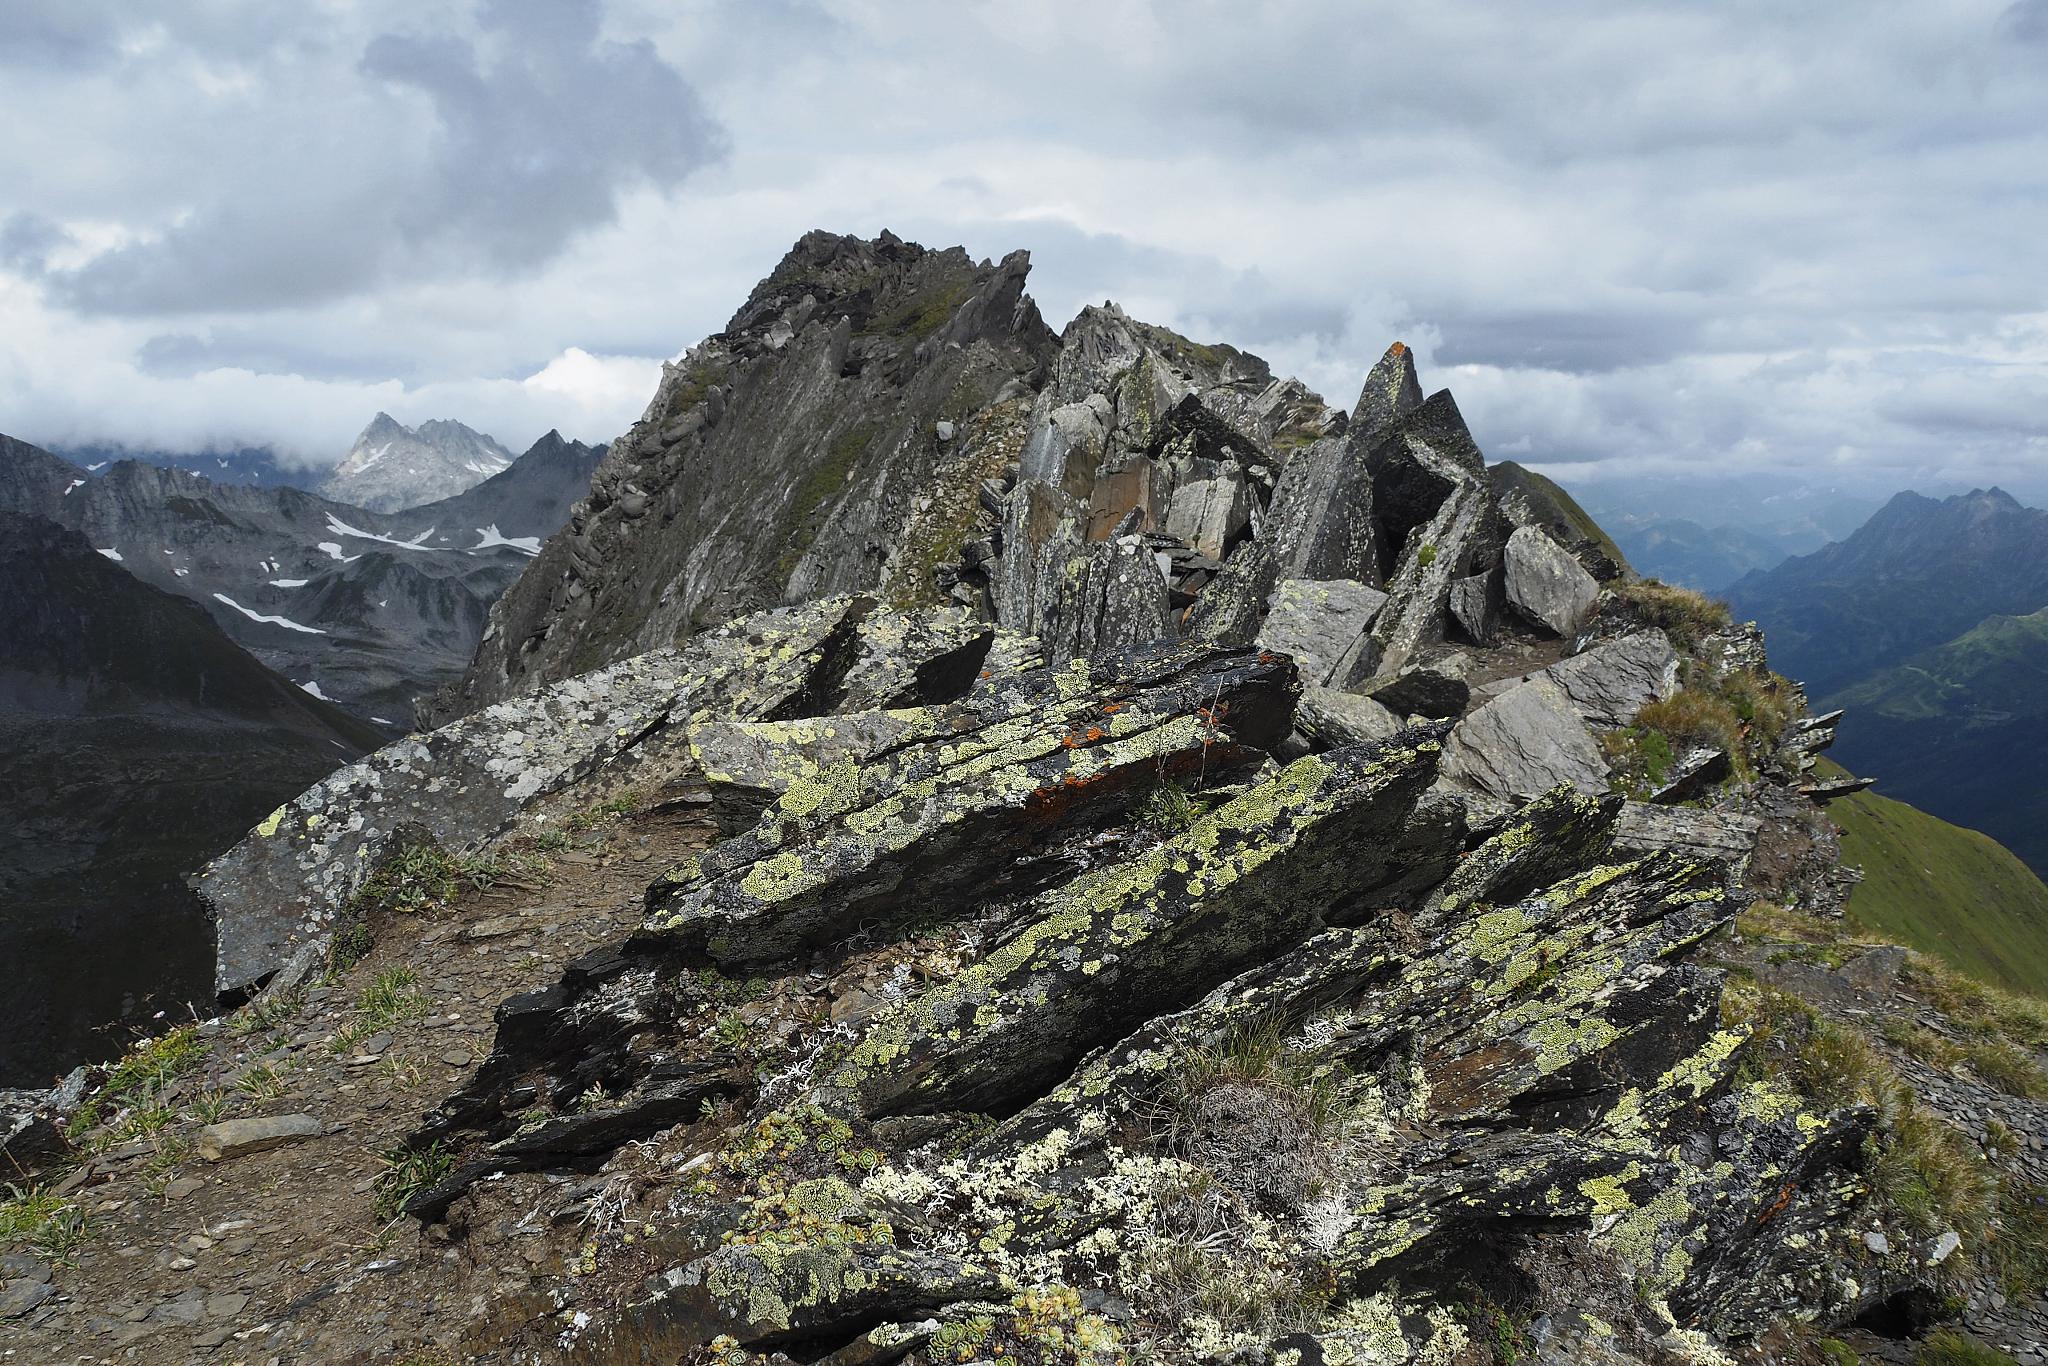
994 845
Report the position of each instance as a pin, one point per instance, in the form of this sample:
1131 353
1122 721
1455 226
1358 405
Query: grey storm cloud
504 148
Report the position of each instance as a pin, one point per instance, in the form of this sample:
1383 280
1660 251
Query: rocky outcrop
795 454
1230 930
277 897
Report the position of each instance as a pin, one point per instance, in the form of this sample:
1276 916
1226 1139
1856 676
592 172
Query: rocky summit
983 846
393 466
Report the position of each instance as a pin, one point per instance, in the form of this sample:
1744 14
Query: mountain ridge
392 467
992 846
374 608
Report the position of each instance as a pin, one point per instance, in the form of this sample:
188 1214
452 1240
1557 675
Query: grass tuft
1687 617
45 1223
1171 808
406 1172
1953 1349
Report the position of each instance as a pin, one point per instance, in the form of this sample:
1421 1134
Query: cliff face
1240 881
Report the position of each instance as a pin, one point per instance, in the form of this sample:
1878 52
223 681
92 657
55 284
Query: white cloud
1736 238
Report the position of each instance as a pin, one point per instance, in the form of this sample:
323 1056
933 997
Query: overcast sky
1742 236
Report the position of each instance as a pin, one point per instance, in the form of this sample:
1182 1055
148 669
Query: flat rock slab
19 1297
240 1137
1523 743
1547 585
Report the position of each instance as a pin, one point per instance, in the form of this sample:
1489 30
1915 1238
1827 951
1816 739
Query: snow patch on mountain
490 537
341 528
285 622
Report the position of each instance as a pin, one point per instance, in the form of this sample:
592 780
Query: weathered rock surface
1319 622
239 1137
1524 742
1545 584
1611 682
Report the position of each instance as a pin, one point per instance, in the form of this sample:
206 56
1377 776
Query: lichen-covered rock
277 895
1100 955
1319 622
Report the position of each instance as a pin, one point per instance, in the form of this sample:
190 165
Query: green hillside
1961 731
1945 890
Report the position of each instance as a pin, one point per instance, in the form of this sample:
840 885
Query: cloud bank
1737 239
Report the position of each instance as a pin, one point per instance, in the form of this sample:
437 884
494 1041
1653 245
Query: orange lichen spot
985 673
1777 1206
1398 349
1112 708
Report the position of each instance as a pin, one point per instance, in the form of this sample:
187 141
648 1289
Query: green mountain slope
1991 672
1945 890
1962 729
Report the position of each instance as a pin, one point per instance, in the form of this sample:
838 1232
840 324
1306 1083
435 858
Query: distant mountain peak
393 466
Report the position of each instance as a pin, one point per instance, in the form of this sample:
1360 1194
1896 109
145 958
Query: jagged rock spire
1390 391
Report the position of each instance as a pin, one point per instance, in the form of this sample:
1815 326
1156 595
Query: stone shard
1611 682
1210 514
1117 601
1440 552
1525 742
1559 831
1545 584
1322 520
1476 602
1233 605
1693 774
1332 720
1317 622
233 1138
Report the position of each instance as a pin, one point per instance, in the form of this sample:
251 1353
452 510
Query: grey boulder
1525 742
1545 584
1317 621
1610 683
